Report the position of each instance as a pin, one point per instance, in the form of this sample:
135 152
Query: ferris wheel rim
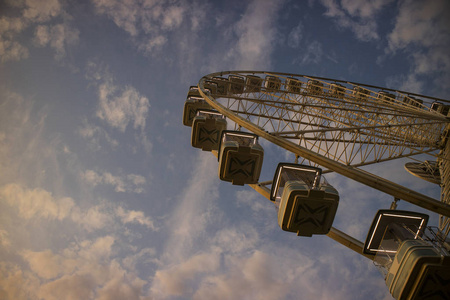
356 174
237 72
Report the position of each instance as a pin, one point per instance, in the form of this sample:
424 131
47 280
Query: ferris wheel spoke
339 125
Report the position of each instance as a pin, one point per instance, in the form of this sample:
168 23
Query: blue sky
101 194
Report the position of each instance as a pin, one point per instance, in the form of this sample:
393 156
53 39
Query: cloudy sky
101 194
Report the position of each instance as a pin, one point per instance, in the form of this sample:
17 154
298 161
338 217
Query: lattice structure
339 125
355 126
444 165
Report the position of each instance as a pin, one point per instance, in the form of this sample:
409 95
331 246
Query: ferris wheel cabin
222 85
412 101
337 90
207 129
414 264
440 108
191 106
386 97
253 84
240 157
236 85
306 204
314 87
211 86
360 93
272 83
293 85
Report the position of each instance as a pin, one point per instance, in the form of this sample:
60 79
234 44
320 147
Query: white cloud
358 16
313 53
195 210
253 277
121 108
15 284
255 201
93 218
12 51
147 22
173 17
364 8
41 10
418 22
59 37
35 12
4 239
123 13
128 183
152 43
35 203
84 267
95 135
134 216
422 30
237 240
177 280
48 265
85 270
295 36
256 35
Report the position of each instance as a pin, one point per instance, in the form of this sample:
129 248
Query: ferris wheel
330 126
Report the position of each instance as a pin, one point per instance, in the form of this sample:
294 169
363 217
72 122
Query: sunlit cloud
36 202
133 216
128 183
96 135
121 108
148 22
295 36
177 280
12 50
423 30
87 266
81 216
41 11
358 16
35 13
123 14
195 210
256 35
58 37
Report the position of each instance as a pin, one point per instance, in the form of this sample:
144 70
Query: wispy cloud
422 30
123 107
148 22
83 270
358 16
41 11
35 203
295 36
89 265
256 35
96 135
33 13
126 183
134 216
57 246
58 37
194 212
118 106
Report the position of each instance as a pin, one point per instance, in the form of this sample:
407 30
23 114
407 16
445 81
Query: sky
102 196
